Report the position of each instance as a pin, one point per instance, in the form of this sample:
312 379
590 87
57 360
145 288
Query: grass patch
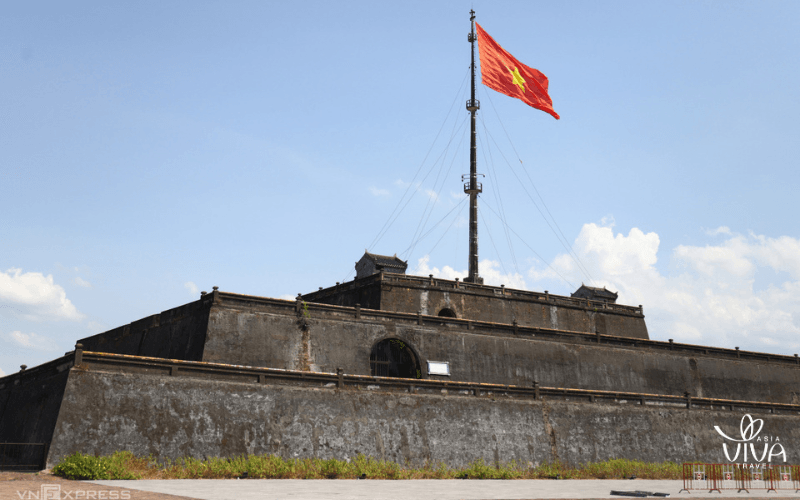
125 465
120 465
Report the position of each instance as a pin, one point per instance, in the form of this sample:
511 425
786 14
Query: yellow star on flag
516 78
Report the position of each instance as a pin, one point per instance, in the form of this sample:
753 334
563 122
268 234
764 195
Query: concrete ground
44 486
299 489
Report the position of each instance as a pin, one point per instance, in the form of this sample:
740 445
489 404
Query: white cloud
710 299
401 183
423 269
288 296
2 373
36 296
781 254
607 221
432 195
193 290
718 231
31 341
742 255
488 269
713 260
378 192
81 282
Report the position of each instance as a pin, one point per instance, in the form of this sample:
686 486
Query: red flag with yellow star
502 72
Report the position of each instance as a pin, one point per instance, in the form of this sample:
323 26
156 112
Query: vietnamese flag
502 72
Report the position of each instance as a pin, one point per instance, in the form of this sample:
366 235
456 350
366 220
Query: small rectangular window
438 368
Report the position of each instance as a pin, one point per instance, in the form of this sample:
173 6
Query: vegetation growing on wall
303 316
124 465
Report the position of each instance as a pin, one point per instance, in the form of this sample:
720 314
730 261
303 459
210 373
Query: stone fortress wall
257 331
232 374
171 409
432 296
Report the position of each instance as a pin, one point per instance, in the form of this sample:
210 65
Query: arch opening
447 313
393 358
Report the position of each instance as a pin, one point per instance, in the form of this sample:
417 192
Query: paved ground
31 486
43 486
298 489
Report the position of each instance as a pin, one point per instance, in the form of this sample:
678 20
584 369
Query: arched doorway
447 313
393 358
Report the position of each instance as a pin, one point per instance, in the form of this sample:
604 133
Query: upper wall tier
438 297
177 333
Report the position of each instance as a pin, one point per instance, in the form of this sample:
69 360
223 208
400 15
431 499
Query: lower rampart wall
142 410
29 405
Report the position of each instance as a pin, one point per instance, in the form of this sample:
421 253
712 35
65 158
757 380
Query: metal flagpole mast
473 187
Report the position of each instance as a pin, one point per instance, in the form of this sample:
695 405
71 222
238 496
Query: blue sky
151 150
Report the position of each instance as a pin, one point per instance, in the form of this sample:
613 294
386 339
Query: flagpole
473 187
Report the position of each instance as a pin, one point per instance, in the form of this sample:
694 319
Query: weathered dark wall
174 334
29 405
172 417
256 336
364 291
269 333
412 294
480 307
